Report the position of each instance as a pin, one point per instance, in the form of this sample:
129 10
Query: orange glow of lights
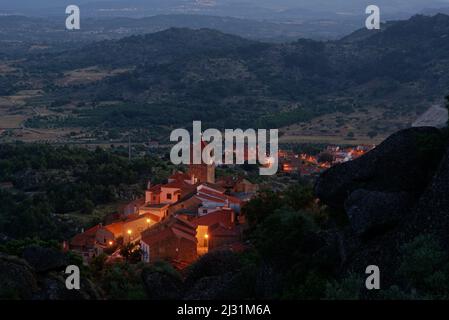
130 231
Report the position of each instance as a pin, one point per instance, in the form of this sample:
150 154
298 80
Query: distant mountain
179 75
156 48
93 29
317 19
247 28
433 11
261 9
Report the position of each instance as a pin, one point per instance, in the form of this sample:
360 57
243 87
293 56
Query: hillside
179 75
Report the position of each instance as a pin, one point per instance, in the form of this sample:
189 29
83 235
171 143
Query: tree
299 196
348 288
131 252
123 281
425 267
262 206
97 264
281 237
87 207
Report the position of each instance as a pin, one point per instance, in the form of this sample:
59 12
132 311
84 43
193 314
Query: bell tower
204 172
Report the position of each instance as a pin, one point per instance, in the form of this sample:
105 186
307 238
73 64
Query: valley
315 91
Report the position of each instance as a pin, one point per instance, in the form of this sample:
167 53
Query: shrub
349 288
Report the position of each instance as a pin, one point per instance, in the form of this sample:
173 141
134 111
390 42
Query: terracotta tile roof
159 235
218 188
116 228
178 185
186 189
181 222
137 216
156 188
220 230
156 237
181 234
211 195
180 176
85 239
214 199
189 229
176 227
221 216
156 205
188 203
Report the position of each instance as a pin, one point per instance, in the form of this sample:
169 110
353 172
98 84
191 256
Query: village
193 213
308 165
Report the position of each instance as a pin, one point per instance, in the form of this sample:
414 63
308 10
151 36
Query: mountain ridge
208 75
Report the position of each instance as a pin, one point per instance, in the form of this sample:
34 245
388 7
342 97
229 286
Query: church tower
203 172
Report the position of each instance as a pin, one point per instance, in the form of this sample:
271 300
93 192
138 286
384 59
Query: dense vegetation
49 181
290 255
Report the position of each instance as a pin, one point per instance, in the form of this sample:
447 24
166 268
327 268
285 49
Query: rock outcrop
161 285
371 211
212 288
213 264
402 163
40 279
53 287
214 276
432 211
45 259
17 278
390 196
436 116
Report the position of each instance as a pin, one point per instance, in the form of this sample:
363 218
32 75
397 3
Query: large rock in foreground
372 211
405 162
53 287
17 280
432 212
161 285
45 259
39 279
